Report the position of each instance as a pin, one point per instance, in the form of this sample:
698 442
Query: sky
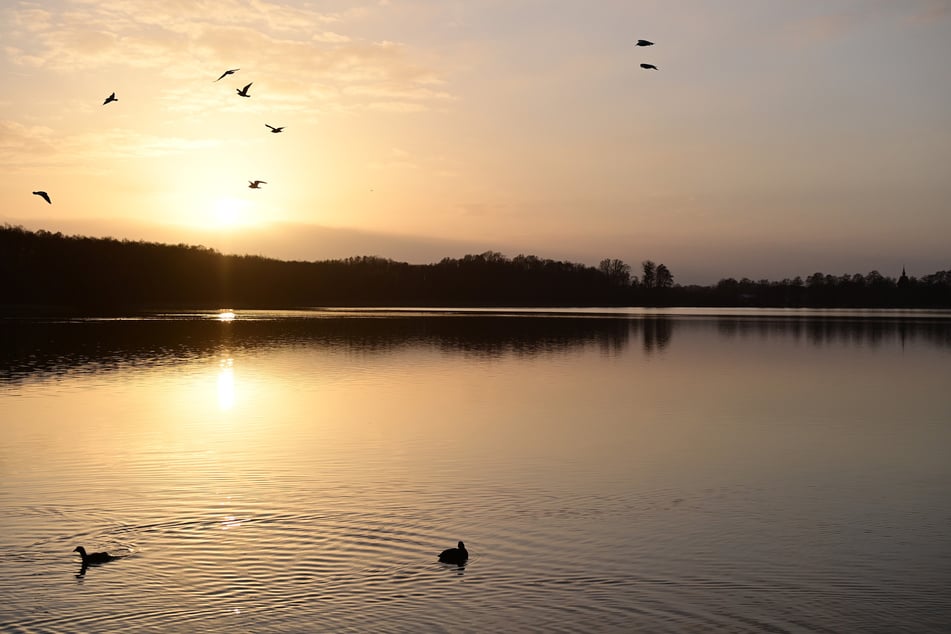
777 137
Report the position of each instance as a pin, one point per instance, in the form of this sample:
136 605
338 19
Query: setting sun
231 213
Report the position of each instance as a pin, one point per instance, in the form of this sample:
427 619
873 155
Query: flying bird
110 99
44 196
256 184
275 130
644 43
228 72
649 66
244 91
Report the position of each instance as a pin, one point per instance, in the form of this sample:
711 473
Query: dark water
745 471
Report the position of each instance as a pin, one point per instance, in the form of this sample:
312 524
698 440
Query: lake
616 470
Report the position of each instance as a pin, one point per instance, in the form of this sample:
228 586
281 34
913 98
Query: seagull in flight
649 66
110 99
275 130
256 184
643 43
244 91
44 196
228 72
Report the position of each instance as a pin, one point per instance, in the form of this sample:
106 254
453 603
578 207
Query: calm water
747 471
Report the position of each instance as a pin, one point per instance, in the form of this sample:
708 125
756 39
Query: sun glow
231 213
226 391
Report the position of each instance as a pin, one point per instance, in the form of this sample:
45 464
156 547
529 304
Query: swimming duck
93 558
456 556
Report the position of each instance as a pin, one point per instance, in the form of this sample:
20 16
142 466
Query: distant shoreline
49 273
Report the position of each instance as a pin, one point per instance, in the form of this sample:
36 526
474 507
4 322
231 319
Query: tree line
73 272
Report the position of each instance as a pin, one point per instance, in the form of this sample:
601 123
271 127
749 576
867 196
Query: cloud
177 40
330 37
932 11
23 146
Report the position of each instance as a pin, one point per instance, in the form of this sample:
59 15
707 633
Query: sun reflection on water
226 315
226 385
230 522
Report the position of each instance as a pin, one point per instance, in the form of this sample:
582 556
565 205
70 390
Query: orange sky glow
776 139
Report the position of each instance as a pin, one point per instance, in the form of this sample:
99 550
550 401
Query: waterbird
90 559
456 556
649 66
44 196
275 130
244 91
644 43
228 72
110 99
256 184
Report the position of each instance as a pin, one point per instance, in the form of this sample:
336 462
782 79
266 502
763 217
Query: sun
231 213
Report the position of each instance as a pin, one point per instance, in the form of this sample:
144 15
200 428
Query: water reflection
226 385
657 333
49 348
840 330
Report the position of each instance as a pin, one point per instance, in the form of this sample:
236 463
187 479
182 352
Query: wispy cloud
295 47
23 146
932 11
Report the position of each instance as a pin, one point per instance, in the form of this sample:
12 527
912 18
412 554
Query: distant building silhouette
903 280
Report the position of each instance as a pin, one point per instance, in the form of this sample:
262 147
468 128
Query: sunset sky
777 138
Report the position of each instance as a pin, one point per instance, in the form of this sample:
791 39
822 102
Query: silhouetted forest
50 270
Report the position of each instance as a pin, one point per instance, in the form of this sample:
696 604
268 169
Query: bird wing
245 89
222 76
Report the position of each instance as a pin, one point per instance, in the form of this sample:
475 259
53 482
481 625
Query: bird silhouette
649 66
244 91
275 130
44 196
110 99
643 43
456 556
228 72
256 184
91 559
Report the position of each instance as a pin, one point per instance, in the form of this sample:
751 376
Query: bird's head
462 546
80 550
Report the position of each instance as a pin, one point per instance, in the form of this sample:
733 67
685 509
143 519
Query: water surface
761 471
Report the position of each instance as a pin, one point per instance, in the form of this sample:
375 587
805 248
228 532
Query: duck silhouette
91 559
44 196
275 130
230 71
244 91
110 99
648 66
256 184
643 43
456 556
